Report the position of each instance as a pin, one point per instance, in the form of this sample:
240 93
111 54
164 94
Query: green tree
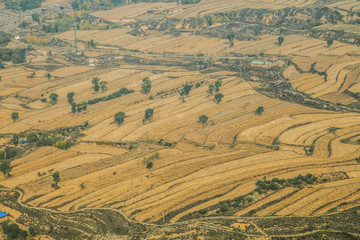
119 118
48 75
15 139
103 85
211 89
54 97
218 97
187 89
56 179
329 42
32 137
231 37
259 110
13 231
148 114
91 44
15 116
280 40
149 165
70 97
218 84
73 107
95 83
146 85
203 119
5 167
36 17
10 152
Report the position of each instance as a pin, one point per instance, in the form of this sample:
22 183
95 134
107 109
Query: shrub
5 167
280 40
239 199
54 97
203 211
203 119
274 186
114 95
148 114
119 118
10 152
149 165
95 83
218 97
32 137
224 208
190 1
15 116
13 231
62 145
259 110
146 86
70 97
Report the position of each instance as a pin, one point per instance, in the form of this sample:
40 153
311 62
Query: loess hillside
296 159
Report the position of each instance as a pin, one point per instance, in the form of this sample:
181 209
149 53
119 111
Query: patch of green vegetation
276 183
117 94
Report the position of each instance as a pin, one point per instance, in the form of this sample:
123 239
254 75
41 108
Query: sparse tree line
119 117
213 89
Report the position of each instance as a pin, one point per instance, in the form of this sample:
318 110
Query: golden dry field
309 128
217 161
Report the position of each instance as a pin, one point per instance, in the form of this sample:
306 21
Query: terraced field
294 45
215 161
136 11
212 169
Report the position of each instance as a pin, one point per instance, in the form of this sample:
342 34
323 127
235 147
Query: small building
3 216
92 62
267 65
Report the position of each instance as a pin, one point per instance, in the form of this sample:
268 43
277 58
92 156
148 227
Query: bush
149 165
218 97
32 137
146 86
259 110
114 95
5 167
13 231
62 145
274 186
203 211
148 114
224 208
239 199
45 141
203 119
119 118
190 1
10 152
53 97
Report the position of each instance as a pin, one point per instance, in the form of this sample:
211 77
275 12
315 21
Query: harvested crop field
168 125
214 161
